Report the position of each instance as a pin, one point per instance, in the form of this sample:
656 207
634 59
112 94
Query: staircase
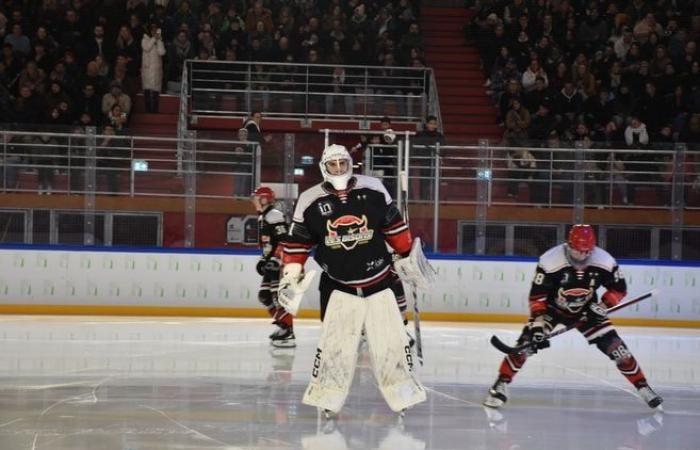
468 114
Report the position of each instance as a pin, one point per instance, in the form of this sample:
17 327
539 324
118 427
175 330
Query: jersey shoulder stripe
553 259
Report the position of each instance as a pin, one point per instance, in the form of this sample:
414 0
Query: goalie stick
505 348
403 183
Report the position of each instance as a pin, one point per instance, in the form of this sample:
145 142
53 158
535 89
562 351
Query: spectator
27 106
568 104
599 109
152 67
111 157
116 118
98 46
92 76
584 80
179 51
253 124
636 135
34 76
593 31
517 123
542 123
116 96
70 30
127 46
241 164
536 97
426 144
530 76
45 150
19 42
521 167
13 65
259 13
89 103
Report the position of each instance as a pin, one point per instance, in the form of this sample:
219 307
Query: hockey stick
403 182
505 348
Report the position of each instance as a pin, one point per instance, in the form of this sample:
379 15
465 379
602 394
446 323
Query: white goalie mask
336 166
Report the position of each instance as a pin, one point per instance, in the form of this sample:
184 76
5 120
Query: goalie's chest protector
348 230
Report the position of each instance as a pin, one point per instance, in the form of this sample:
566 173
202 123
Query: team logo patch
347 232
573 299
325 208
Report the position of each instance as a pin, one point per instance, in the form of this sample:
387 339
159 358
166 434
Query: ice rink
146 383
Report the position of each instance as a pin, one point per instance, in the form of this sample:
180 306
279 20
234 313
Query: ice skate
498 395
278 330
284 339
650 397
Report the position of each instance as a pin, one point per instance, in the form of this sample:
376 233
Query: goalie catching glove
292 287
415 268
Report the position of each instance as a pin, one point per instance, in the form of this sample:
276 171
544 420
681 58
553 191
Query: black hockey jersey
349 231
560 287
272 229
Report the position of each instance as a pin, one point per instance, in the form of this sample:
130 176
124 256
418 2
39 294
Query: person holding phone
152 66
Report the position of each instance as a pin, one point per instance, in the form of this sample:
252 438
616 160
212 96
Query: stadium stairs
468 113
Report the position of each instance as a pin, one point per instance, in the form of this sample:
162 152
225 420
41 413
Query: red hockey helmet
266 193
582 238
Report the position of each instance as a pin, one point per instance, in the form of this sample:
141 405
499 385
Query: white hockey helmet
335 152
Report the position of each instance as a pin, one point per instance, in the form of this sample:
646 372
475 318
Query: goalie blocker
348 221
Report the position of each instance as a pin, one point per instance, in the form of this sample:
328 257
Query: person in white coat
152 66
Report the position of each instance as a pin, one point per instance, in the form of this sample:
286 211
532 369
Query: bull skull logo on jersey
574 299
347 232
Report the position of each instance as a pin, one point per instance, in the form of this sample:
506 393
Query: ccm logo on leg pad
317 363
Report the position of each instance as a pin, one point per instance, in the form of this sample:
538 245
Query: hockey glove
596 312
292 287
260 266
265 265
539 329
415 268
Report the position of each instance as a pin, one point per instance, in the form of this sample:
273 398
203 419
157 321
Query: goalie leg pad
390 353
336 355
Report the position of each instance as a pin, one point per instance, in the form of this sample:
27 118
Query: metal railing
483 176
90 163
307 91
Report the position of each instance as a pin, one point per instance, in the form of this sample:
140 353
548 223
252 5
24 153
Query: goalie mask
336 166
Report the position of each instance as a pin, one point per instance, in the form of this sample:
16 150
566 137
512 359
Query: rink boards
67 280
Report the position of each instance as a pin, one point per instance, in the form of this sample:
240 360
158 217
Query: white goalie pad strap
415 268
390 353
292 287
336 355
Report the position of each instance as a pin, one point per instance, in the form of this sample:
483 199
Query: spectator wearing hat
152 66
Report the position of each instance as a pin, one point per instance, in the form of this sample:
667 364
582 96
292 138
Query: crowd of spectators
621 74
81 62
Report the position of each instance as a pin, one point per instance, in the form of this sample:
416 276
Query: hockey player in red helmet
564 291
272 227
